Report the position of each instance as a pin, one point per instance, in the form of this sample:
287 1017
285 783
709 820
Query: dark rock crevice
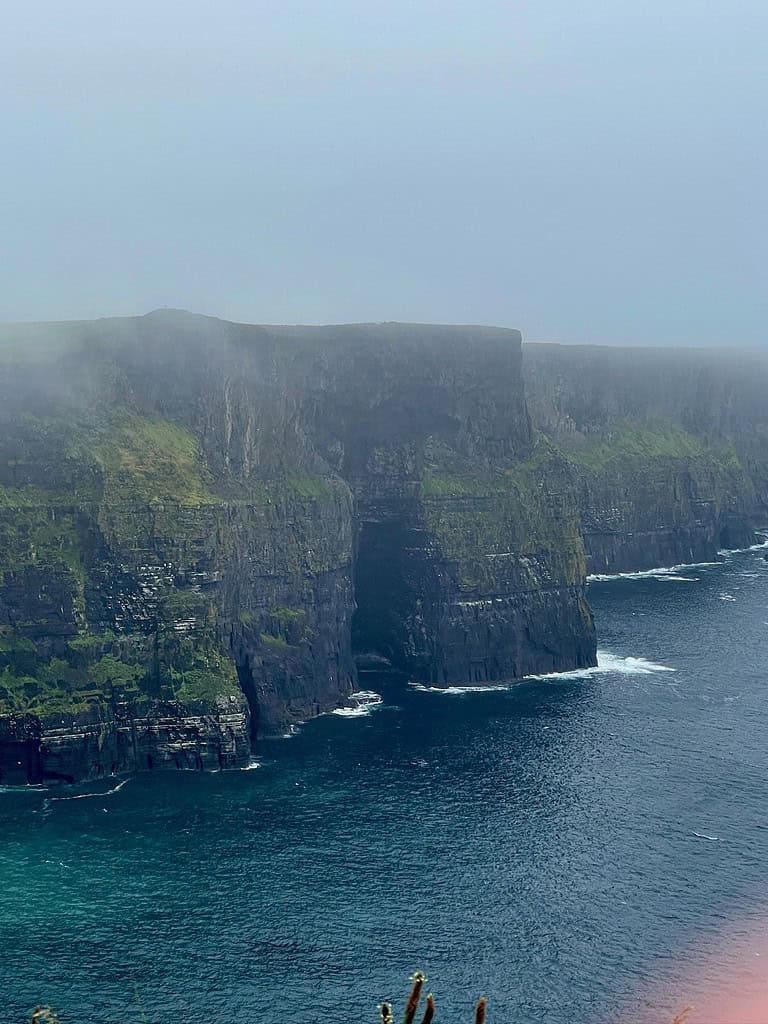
247 685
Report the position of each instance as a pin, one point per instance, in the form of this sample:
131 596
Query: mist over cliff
203 525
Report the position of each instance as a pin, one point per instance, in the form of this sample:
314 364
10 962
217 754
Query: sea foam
363 702
663 572
606 663
87 796
761 546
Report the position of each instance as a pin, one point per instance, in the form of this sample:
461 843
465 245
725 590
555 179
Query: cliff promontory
202 522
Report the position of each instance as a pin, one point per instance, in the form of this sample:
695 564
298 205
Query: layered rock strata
669 447
196 518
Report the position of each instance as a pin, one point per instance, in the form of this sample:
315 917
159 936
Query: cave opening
385 579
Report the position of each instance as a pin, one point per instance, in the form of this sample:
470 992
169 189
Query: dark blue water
535 844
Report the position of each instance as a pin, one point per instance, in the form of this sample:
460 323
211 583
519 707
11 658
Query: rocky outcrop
668 447
126 736
193 512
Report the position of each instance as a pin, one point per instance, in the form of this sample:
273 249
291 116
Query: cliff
201 523
669 447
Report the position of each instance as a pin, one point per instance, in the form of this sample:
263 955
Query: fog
586 172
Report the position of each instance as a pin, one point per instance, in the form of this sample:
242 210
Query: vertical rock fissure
245 679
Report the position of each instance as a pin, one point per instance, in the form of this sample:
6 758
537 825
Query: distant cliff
669 447
201 523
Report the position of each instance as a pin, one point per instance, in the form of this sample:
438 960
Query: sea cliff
203 524
669 447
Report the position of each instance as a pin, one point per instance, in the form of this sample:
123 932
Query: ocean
588 847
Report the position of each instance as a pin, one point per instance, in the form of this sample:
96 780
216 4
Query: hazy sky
585 170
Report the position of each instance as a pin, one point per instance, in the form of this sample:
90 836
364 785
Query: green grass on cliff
304 485
482 518
123 459
28 497
154 460
628 443
200 671
273 641
41 537
195 670
288 616
58 687
450 482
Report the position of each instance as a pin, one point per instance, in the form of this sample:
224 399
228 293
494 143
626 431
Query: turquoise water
537 844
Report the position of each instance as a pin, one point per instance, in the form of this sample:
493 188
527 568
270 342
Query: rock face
669 447
203 523
468 560
197 518
124 736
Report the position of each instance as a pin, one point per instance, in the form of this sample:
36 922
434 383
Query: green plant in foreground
429 1010
44 1015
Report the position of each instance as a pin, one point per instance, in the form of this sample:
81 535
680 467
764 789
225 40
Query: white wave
571 673
363 702
292 731
607 662
726 597
662 572
23 788
458 690
703 835
250 766
366 697
87 796
761 546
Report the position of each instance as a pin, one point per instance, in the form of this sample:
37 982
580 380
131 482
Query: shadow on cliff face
383 586
245 678
400 591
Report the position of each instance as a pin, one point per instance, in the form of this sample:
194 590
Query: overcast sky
585 170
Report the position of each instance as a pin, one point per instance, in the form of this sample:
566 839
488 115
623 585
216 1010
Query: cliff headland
203 523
